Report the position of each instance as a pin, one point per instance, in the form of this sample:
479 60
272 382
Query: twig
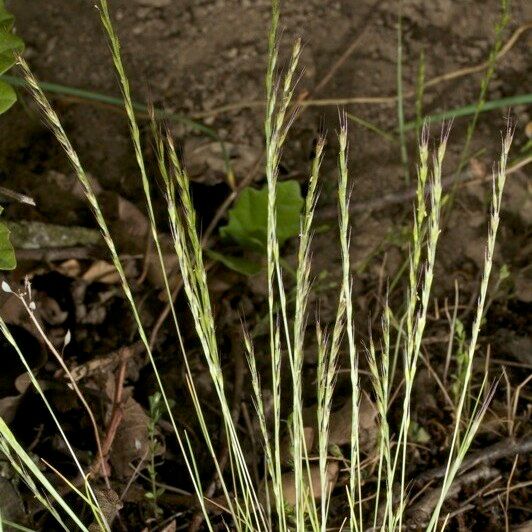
502 449
17 196
61 253
107 362
116 411
419 514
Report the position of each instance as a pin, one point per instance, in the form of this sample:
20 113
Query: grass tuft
266 505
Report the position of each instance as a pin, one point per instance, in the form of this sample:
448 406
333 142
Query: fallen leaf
12 505
205 163
477 168
110 504
130 228
340 424
131 441
69 268
50 311
289 487
101 272
9 404
171 527
523 527
286 447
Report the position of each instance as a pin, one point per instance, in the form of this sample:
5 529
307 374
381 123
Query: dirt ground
206 59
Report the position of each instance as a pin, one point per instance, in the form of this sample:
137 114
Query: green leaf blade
238 264
8 96
8 260
248 219
6 18
10 44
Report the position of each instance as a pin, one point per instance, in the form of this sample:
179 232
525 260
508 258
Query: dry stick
61 253
116 418
146 260
116 412
502 449
17 196
507 498
107 362
403 196
164 314
420 512
236 353
518 486
461 72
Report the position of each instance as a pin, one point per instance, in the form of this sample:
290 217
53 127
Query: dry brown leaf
50 310
289 488
339 428
155 276
171 527
477 168
13 312
9 404
69 268
110 504
9 407
101 271
286 445
129 225
340 424
131 229
109 362
131 441
524 527
205 163
12 504
14 380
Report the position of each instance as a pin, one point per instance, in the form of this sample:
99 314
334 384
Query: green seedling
10 45
248 223
156 411
8 260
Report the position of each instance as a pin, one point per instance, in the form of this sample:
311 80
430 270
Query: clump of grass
249 506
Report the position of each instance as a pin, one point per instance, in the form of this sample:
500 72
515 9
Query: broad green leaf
248 218
9 44
8 96
7 253
6 18
238 264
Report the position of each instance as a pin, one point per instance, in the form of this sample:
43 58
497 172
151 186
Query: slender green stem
400 102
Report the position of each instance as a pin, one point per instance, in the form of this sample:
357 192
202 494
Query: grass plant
248 506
